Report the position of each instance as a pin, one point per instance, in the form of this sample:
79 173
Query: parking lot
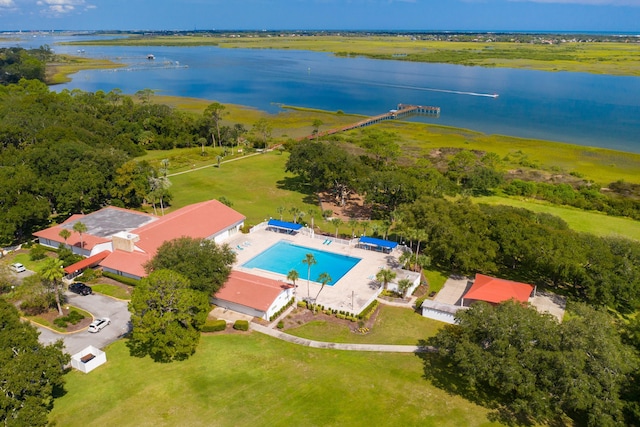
98 306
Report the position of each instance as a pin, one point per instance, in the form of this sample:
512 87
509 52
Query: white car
18 268
99 324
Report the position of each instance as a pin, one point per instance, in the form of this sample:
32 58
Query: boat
151 57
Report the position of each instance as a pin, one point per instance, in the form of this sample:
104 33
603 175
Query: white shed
88 359
440 311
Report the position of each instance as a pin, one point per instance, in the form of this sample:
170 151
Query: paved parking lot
98 306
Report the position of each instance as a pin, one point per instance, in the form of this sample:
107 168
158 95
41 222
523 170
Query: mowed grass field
255 380
589 222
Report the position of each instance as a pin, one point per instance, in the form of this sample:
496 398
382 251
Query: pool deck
352 293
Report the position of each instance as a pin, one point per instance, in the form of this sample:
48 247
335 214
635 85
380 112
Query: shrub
74 317
241 325
122 279
302 304
60 322
367 312
90 274
280 325
37 252
419 302
214 326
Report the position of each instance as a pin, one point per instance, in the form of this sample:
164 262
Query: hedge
241 325
214 326
122 279
287 305
367 312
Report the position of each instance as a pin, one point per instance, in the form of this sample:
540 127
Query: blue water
578 108
284 256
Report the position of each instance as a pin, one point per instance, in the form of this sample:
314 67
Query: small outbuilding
440 311
495 291
88 359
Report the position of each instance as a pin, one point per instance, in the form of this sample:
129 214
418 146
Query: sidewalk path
339 346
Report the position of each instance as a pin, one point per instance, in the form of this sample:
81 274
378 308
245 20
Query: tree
310 261
293 275
80 227
385 276
263 128
65 234
53 273
353 224
215 111
204 263
316 127
166 315
323 278
403 286
30 373
533 368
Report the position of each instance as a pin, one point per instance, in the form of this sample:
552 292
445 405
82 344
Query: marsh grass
598 58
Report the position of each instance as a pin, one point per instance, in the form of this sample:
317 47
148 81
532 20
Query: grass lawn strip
585 221
394 325
255 380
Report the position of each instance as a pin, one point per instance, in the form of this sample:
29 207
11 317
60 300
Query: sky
470 15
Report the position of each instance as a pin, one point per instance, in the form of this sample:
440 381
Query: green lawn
579 220
394 325
111 290
256 186
255 380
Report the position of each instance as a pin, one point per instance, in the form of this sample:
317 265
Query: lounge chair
240 248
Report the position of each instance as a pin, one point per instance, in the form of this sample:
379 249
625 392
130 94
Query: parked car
80 289
18 268
99 324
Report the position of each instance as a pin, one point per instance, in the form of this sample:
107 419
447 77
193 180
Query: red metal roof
87 262
200 220
127 262
491 289
251 291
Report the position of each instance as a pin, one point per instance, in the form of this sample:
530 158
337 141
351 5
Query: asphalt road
99 306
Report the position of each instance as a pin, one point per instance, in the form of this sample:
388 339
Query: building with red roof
495 291
253 295
132 238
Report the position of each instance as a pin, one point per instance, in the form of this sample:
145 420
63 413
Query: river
579 108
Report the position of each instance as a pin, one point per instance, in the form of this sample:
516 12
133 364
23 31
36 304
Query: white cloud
61 7
6 4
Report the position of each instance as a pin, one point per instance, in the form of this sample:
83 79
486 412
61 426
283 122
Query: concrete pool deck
352 293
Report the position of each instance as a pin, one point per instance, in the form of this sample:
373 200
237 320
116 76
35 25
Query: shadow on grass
442 373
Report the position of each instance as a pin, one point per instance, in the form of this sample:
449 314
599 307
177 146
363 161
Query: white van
18 268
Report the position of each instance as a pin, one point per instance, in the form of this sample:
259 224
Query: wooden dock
401 112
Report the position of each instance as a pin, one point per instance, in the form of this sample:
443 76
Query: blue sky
492 15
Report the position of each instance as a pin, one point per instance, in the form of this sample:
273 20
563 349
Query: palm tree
353 223
310 260
337 222
323 278
403 285
52 272
65 234
293 276
385 276
280 210
80 227
420 236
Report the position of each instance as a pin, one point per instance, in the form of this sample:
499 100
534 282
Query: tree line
74 151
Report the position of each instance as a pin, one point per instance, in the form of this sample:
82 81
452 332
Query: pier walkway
402 111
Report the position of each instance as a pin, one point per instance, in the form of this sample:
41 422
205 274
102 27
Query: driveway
99 306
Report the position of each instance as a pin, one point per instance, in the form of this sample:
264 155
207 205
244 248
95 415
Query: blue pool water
285 256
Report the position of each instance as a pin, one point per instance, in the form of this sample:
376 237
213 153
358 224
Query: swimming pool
285 256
